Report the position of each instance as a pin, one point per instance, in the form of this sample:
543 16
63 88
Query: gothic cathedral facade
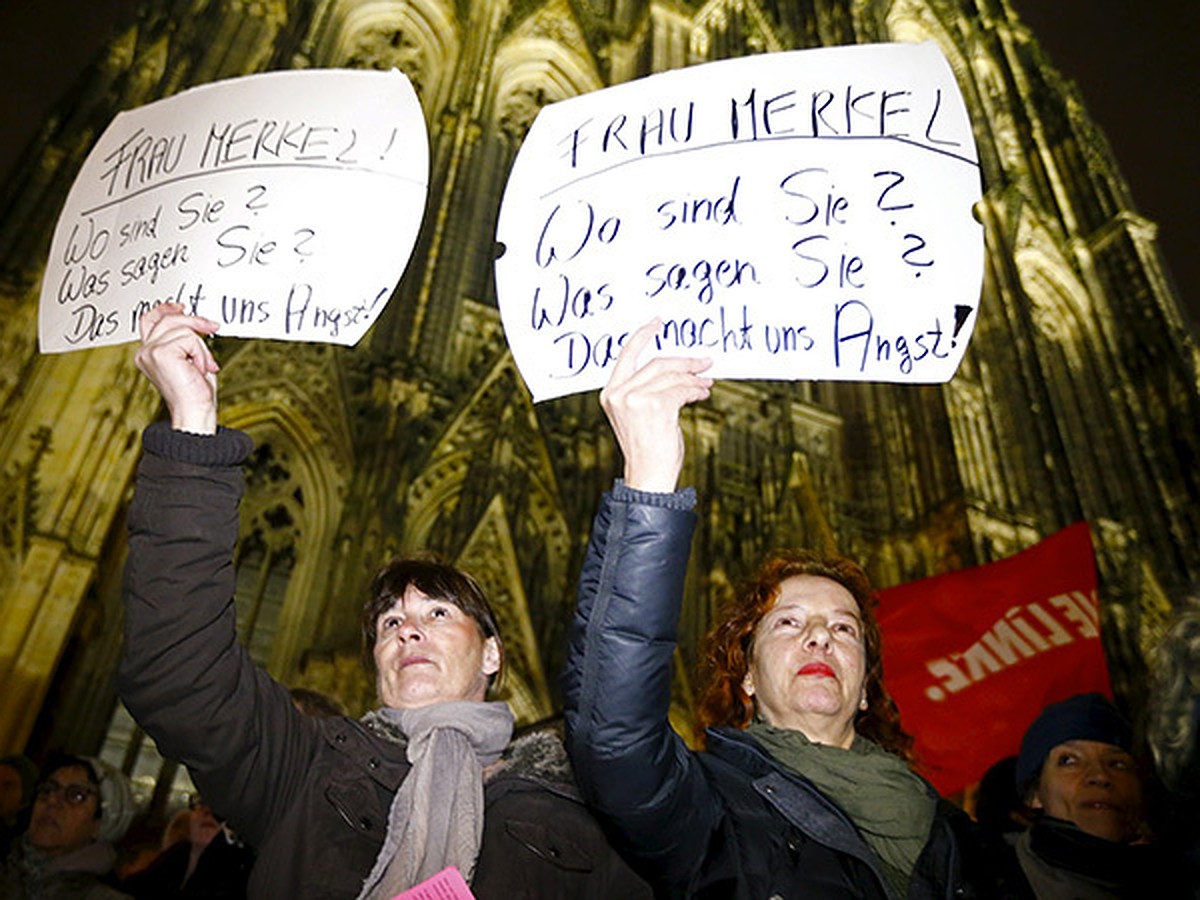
1077 399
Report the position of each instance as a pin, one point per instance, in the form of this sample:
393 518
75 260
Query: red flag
971 657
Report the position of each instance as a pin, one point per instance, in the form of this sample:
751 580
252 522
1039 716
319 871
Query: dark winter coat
729 822
221 872
310 795
1055 860
83 874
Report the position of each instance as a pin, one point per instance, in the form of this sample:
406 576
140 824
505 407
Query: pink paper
447 884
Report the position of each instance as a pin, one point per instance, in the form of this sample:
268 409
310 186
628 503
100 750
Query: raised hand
643 404
176 359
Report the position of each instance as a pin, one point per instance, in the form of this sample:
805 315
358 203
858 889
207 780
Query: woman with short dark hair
334 807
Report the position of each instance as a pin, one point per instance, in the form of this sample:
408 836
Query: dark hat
1084 717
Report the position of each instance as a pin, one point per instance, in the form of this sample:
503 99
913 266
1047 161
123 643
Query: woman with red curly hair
804 787
727 648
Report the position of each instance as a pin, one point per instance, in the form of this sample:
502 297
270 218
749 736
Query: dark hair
432 578
59 761
999 807
27 771
728 647
315 704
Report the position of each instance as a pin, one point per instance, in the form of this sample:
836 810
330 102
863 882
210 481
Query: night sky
1136 63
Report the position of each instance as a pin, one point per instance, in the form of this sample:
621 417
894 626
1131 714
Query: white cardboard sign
799 215
282 205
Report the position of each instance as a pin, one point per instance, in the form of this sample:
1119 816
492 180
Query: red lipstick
817 668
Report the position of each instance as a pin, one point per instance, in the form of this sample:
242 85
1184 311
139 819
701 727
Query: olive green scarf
889 804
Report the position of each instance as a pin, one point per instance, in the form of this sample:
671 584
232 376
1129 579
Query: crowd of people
801 783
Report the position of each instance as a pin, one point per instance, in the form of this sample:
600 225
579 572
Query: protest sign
971 657
793 215
282 205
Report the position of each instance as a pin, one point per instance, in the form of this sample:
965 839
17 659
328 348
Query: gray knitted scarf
436 819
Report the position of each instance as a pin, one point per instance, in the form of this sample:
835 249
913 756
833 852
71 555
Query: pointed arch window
272 514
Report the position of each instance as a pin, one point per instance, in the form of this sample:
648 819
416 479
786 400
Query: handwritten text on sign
283 205
792 215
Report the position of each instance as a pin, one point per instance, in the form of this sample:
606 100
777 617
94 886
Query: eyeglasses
73 794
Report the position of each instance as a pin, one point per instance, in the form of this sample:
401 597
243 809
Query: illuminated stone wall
1077 399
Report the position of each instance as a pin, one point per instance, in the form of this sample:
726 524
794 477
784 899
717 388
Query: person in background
999 808
81 807
334 807
209 864
804 788
1077 772
1173 732
18 777
178 828
146 840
